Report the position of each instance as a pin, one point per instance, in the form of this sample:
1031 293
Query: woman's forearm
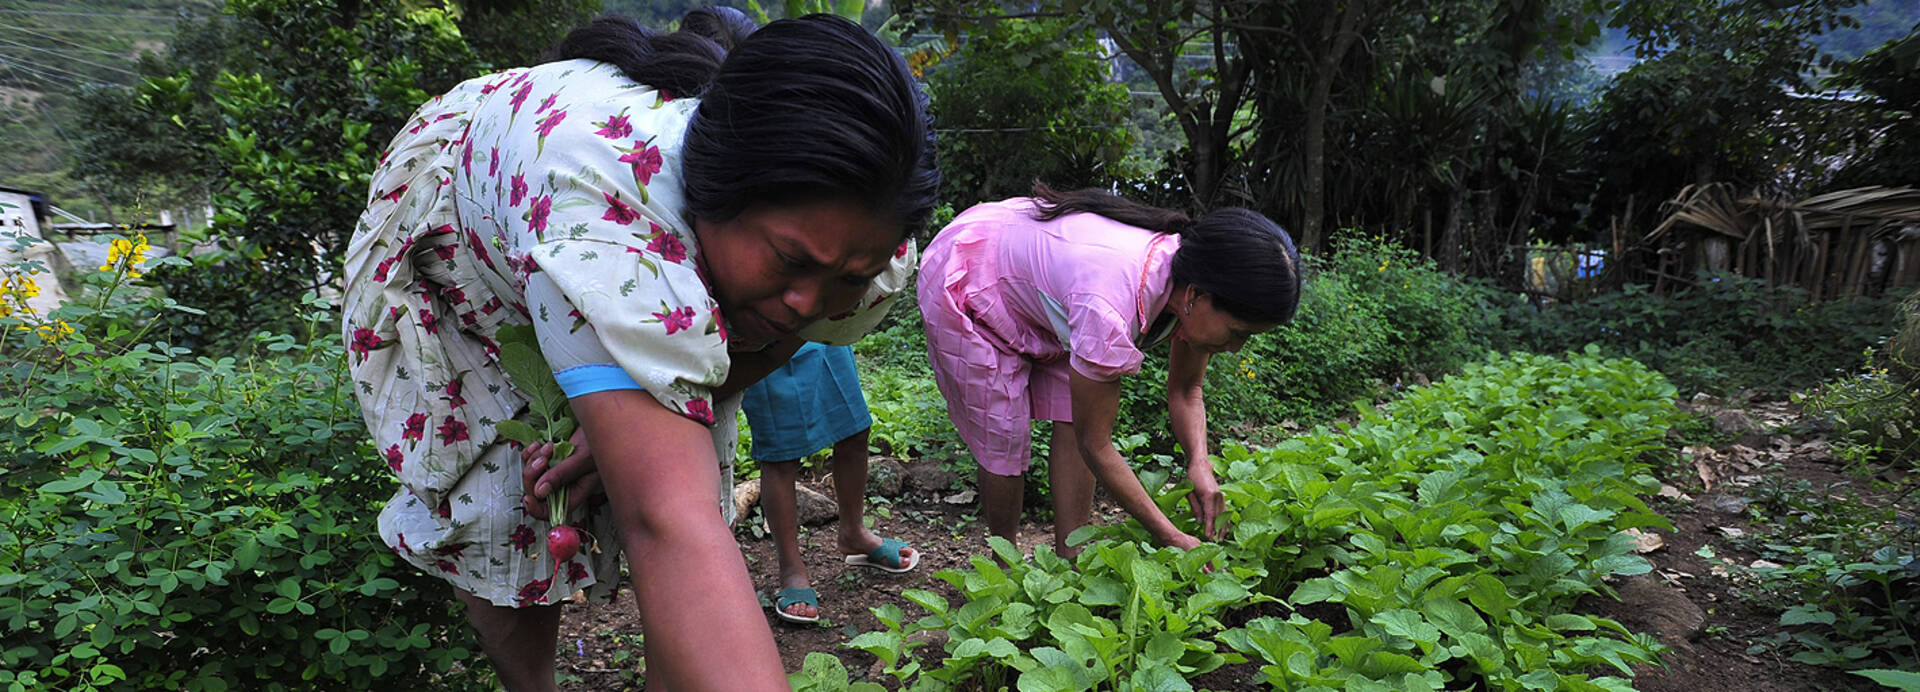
703 623
1113 472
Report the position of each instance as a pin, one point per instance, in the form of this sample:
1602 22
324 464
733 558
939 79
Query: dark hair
681 63
801 109
1244 260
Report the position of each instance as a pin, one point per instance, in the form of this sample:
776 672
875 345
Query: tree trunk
1313 146
1450 234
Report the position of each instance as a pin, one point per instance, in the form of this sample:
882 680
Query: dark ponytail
1245 261
682 63
1052 204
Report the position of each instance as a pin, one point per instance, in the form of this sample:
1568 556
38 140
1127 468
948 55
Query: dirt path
1693 606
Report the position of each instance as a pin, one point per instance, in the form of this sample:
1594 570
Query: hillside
51 49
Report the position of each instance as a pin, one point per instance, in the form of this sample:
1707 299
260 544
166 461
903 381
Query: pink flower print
720 322
454 399
403 544
698 409
443 229
429 322
380 272
547 103
394 196
364 340
490 88
677 319
417 127
667 246
415 428
901 251
450 431
537 216
466 158
446 566
521 538
534 592
446 252
492 305
520 96
616 127
618 211
576 572
455 550
493 161
394 458
551 121
646 161
518 188
445 510
454 294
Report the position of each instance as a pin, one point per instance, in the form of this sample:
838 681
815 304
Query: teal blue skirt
807 405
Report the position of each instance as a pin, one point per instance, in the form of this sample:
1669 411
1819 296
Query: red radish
563 542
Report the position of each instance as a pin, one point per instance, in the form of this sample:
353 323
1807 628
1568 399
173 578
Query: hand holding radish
542 476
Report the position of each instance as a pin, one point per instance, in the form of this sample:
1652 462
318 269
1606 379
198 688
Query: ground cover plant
1438 542
178 521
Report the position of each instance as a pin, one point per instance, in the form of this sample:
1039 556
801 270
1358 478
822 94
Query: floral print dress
547 196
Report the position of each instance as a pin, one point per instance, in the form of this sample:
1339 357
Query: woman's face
775 269
1211 329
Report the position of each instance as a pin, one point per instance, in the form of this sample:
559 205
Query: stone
813 507
886 477
1733 422
928 477
964 497
746 495
1650 605
1702 400
1724 504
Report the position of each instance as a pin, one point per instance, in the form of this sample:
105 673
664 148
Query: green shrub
185 522
1720 334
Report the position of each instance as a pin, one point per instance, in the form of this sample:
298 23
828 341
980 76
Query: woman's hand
576 472
1209 506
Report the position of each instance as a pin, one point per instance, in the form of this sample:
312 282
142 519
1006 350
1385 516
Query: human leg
1001 500
850 491
519 641
1072 487
778 504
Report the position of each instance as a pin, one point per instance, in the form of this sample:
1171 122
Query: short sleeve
1102 347
654 319
572 348
847 327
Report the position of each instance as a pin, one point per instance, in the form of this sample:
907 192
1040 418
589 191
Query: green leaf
518 432
1401 622
67 485
1805 615
1906 681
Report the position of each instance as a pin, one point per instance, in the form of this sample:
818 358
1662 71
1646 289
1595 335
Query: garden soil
1690 603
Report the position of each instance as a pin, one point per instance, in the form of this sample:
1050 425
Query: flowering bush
174 521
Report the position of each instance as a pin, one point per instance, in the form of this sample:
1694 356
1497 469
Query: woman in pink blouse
1035 307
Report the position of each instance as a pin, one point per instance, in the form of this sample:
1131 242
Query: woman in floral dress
673 214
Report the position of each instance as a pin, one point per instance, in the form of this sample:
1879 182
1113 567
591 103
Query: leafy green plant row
1439 542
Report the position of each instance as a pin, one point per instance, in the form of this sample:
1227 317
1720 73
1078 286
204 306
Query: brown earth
1690 604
